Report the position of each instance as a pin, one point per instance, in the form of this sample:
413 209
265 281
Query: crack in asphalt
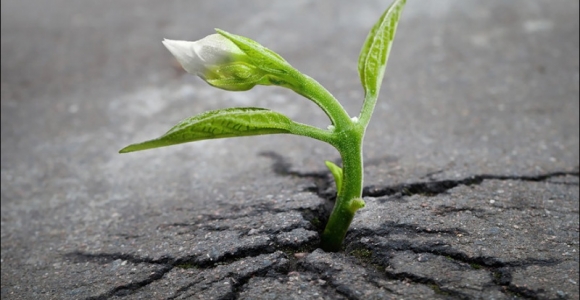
130 288
324 180
433 188
433 284
500 270
169 263
323 183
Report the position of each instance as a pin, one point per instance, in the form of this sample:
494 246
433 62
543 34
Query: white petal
216 49
185 55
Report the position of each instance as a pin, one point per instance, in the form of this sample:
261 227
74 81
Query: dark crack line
167 263
237 281
344 290
240 282
384 273
433 188
430 188
323 182
227 258
131 288
328 274
184 289
502 277
436 248
442 249
500 271
433 284
372 274
523 292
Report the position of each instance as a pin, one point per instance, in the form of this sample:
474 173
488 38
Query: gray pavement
471 159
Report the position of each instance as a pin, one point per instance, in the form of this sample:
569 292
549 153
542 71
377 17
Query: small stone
561 294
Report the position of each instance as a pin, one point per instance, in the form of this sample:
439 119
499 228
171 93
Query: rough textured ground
471 158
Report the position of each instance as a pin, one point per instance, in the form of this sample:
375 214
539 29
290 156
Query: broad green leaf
375 51
223 123
336 173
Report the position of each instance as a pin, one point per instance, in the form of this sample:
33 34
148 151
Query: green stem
314 91
349 145
368 108
311 132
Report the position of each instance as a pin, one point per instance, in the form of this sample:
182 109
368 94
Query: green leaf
356 204
375 51
260 56
336 173
223 123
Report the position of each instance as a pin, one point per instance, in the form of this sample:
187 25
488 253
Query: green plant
236 63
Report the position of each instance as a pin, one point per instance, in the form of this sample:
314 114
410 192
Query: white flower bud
231 62
203 56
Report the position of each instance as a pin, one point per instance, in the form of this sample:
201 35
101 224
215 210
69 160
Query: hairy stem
314 91
349 145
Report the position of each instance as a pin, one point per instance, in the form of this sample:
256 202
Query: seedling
236 63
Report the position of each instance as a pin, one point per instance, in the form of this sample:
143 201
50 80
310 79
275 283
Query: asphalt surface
471 158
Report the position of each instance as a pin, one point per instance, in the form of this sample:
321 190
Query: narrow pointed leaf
223 123
375 51
336 173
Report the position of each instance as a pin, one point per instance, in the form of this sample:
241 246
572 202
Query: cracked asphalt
471 159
